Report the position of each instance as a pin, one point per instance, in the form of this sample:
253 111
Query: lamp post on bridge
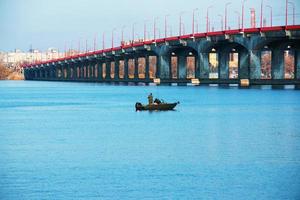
197 25
103 40
180 22
271 14
261 13
95 42
207 17
145 29
221 17
291 3
226 5
166 25
79 46
154 27
86 46
239 16
243 6
112 38
193 29
123 27
133 31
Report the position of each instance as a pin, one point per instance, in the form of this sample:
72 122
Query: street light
123 27
79 46
193 29
226 5
166 25
271 14
145 29
154 27
243 5
133 32
95 42
180 22
261 13
286 13
207 18
112 38
291 3
221 17
197 25
103 40
239 16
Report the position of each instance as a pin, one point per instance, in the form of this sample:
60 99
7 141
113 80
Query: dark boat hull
152 107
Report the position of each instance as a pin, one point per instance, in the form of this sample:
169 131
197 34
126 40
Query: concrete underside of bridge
225 59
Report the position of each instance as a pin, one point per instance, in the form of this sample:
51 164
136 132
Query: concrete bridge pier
126 69
107 71
223 58
182 67
136 68
297 64
117 69
243 65
203 65
164 71
255 64
147 68
277 64
82 75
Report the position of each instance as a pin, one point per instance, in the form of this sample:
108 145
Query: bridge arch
226 59
180 62
278 58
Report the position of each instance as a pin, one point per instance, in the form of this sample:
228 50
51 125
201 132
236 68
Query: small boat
155 106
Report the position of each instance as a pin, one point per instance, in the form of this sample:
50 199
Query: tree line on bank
9 74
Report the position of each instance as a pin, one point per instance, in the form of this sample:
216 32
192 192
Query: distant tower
253 22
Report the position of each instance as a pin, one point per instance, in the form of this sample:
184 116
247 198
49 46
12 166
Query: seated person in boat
157 101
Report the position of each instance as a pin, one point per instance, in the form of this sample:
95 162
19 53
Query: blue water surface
85 141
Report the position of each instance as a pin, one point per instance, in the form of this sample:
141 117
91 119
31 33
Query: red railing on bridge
168 39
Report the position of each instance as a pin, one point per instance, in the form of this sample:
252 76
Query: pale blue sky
45 23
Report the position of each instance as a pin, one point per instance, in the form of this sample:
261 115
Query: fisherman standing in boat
150 99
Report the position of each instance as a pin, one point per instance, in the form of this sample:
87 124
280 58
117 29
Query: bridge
245 56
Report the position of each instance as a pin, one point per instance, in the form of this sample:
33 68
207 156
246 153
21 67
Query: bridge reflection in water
269 55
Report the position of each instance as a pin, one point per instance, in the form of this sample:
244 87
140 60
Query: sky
63 24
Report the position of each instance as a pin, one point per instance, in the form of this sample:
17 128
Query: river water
85 141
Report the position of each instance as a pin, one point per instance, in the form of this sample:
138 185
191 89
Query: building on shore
15 59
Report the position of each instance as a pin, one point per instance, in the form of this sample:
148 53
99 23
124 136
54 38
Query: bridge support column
107 71
88 70
297 64
147 68
126 69
100 70
164 66
277 64
203 65
117 70
136 68
75 72
223 65
82 71
93 70
182 70
40 73
69 72
56 72
255 64
243 65
86 67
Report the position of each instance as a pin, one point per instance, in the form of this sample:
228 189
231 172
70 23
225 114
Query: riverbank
8 74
